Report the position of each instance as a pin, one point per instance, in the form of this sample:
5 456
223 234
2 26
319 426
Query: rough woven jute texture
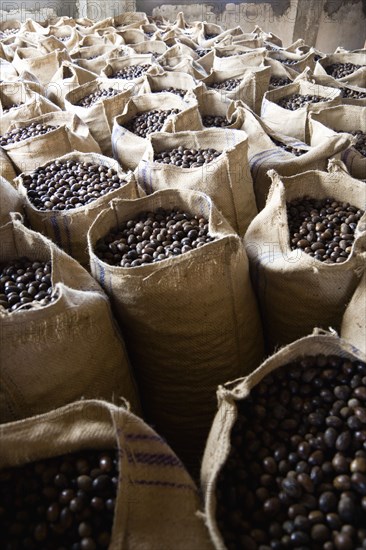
67 350
226 179
326 80
157 504
190 321
353 327
11 201
296 292
7 169
254 82
344 118
264 154
42 65
295 123
67 77
68 228
99 116
357 78
72 134
218 443
128 148
211 103
154 83
95 58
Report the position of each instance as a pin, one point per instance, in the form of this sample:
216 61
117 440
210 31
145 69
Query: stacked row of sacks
144 158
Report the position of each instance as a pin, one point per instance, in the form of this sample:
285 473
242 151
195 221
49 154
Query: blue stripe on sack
56 230
170 484
156 459
144 437
117 134
143 170
68 236
257 160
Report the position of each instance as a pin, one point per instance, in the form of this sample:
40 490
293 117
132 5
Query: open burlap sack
186 65
132 36
176 53
68 228
7 70
353 328
130 19
115 65
264 154
212 333
128 148
155 494
27 103
52 355
228 58
210 103
226 180
326 80
42 65
68 77
254 82
278 70
94 58
89 26
66 34
357 78
230 394
71 134
268 36
155 83
7 169
11 201
295 291
154 47
296 61
344 118
295 123
204 29
99 116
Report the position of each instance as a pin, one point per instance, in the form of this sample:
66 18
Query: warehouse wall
324 23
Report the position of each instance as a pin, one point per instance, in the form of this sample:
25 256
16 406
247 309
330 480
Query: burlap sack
353 328
52 355
295 61
345 118
218 444
89 26
7 169
264 154
226 180
358 78
11 201
68 77
42 65
295 123
326 80
203 29
130 19
99 116
268 36
154 47
67 35
254 82
154 83
188 66
31 103
175 54
211 103
132 36
128 148
115 65
155 493
228 58
68 228
94 58
72 134
295 291
212 333
278 70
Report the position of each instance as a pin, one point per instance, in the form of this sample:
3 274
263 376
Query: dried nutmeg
94 97
152 237
149 121
25 132
296 473
64 185
323 228
62 502
187 158
295 101
25 283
